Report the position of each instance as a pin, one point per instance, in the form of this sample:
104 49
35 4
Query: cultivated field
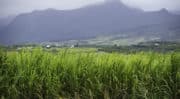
88 74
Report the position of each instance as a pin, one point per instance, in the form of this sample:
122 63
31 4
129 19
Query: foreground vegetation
73 74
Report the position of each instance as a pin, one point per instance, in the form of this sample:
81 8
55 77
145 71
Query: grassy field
88 74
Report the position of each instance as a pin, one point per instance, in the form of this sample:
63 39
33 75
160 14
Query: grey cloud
8 7
154 4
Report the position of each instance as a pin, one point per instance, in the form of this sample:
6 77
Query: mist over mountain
109 18
4 21
176 12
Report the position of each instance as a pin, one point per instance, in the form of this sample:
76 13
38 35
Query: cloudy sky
13 7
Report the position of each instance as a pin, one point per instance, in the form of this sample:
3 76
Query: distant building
72 46
18 48
48 46
76 45
156 44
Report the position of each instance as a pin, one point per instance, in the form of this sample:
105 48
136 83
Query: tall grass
89 75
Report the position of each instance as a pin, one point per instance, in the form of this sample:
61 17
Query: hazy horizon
15 7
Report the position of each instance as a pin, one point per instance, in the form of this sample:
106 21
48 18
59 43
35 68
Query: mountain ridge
87 22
